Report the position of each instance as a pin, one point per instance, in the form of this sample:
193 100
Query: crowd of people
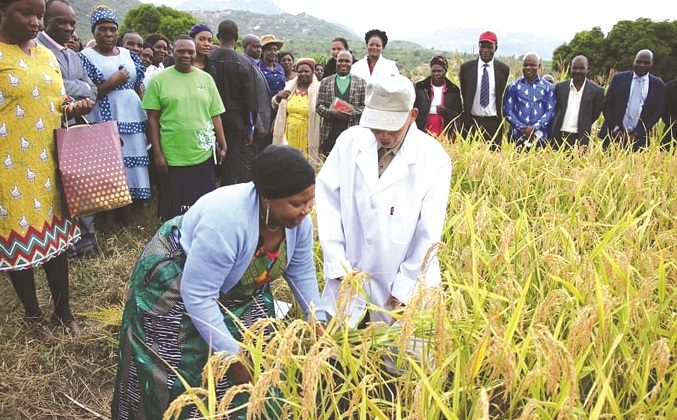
194 115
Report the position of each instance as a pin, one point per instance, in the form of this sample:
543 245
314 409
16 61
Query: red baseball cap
489 36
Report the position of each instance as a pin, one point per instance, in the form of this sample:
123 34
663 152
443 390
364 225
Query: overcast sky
402 20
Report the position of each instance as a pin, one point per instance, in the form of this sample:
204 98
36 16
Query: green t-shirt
187 102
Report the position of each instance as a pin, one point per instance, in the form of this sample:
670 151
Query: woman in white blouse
374 64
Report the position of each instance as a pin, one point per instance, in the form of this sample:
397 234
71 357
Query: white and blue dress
123 105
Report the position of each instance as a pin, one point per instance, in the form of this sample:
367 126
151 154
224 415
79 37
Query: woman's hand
78 108
160 163
240 371
443 110
120 77
283 94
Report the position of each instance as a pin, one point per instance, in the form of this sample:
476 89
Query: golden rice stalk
192 396
551 306
582 329
315 368
530 411
348 289
482 406
224 409
503 362
659 355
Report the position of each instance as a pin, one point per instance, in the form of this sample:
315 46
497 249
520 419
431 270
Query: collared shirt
477 109
58 46
570 121
151 71
275 77
386 156
645 92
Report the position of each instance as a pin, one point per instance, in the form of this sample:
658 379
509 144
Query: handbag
91 168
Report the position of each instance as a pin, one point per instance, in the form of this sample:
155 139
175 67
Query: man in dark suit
59 27
670 114
633 104
484 112
348 88
578 103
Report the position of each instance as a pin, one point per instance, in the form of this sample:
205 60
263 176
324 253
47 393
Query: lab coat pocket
402 225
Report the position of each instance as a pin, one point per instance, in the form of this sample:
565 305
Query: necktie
634 106
484 88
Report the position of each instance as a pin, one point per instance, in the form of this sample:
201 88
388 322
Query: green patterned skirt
158 338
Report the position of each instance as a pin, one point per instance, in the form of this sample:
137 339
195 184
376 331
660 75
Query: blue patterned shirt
275 78
529 104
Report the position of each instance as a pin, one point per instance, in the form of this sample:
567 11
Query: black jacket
236 87
452 101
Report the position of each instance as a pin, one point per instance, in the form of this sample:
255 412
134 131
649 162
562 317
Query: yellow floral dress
33 225
296 129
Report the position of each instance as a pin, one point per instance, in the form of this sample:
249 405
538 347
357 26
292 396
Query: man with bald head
578 104
340 101
529 105
251 46
633 104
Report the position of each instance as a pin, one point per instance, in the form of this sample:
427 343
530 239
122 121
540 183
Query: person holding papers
340 101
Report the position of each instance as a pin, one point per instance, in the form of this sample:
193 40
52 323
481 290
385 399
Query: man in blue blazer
627 124
578 105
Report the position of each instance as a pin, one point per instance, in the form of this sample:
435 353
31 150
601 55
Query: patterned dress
156 331
124 106
33 226
296 129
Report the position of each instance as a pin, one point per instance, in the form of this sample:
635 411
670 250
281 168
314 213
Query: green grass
558 300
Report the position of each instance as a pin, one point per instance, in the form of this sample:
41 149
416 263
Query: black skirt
182 186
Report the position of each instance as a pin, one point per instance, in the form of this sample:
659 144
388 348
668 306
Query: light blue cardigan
219 235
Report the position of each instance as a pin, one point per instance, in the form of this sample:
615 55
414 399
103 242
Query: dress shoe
70 325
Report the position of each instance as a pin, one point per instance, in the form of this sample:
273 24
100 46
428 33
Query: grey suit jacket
591 107
78 84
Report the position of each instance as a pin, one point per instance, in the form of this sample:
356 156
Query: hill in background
510 44
307 35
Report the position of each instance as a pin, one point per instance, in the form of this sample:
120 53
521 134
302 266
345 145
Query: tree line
616 50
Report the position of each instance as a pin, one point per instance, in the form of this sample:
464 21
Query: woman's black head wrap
439 60
282 171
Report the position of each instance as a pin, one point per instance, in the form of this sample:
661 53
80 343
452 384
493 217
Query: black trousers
491 129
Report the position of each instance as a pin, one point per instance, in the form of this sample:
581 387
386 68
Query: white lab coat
383 67
383 226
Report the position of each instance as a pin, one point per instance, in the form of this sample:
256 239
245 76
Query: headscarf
281 171
200 27
103 13
440 61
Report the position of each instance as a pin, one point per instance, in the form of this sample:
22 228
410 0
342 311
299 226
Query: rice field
558 300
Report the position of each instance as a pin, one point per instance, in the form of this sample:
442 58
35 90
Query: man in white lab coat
381 200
